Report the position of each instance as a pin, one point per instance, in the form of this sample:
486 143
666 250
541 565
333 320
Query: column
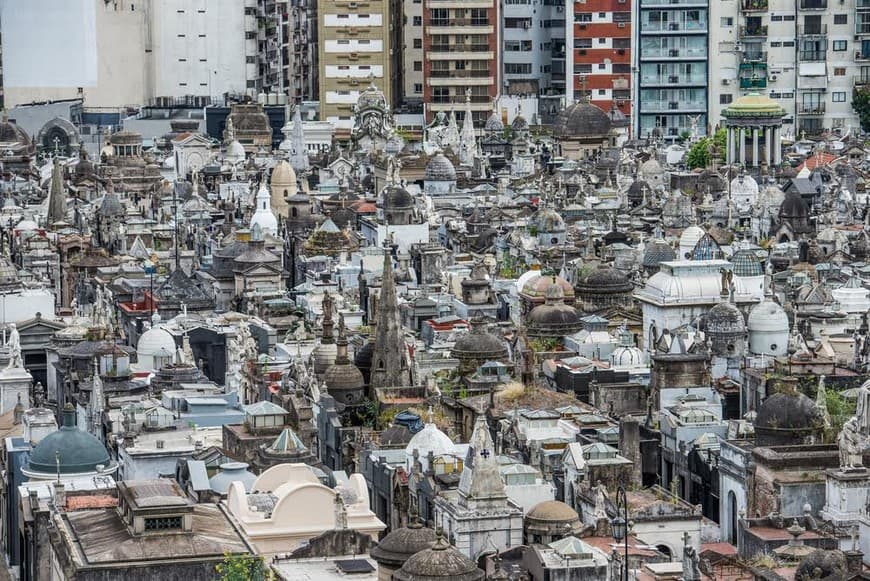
742 137
755 147
730 158
768 133
777 150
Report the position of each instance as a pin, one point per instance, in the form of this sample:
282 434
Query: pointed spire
480 485
389 366
298 149
97 403
56 195
467 141
341 357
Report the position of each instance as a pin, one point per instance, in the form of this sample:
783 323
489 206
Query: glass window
840 45
838 97
841 19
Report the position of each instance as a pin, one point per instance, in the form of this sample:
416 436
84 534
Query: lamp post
621 526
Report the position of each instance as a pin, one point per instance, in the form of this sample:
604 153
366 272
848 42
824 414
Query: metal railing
812 55
459 74
459 48
815 30
754 5
459 22
811 108
760 30
814 4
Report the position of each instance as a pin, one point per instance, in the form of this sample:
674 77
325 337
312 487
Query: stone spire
480 485
467 142
389 366
56 195
298 150
327 337
452 134
341 357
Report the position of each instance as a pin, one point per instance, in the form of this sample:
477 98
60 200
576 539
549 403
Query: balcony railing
459 74
756 56
665 106
753 83
673 27
811 108
815 30
459 22
480 99
812 55
861 80
746 31
862 4
862 27
673 3
674 53
673 80
814 4
754 5
459 48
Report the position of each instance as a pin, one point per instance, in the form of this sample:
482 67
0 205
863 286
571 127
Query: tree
242 568
861 105
699 154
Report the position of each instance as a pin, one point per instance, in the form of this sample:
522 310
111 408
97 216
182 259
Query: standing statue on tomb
600 501
691 561
13 343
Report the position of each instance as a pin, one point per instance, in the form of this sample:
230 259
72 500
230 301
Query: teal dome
77 451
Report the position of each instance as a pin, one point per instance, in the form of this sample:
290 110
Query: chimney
59 495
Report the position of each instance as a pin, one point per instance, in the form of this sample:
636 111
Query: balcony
862 4
459 22
753 82
753 31
655 106
813 4
755 56
861 80
862 26
753 5
811 109
812 56
673 27
816 30
681 3
459 26
475 99
665 80
659 53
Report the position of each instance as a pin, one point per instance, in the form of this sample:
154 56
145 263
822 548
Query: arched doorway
664 550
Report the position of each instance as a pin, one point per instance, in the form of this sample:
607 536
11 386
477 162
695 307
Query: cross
484 453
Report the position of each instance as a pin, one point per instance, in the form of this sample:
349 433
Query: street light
620 527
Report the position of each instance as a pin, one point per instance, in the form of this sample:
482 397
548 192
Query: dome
371 98
651 168
626 357
324 356
794 206
494 124
787 417
690 236
753 105
746 263
605 279
548 220
229 473
442 562
554 318
538 284
823 564
581 121
440 169
13 133
263 216
429 439
725 319
283 176
519 124
479 344
69 450
396 198
553 511
343 377
235 151
656 252
155 341
398 546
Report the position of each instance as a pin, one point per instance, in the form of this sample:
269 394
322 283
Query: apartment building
600 59
355 49
672 65
412 52
533 60
460 49
805 54
303 48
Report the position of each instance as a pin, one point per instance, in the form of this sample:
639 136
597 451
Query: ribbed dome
155 340
494 124
479 344
690 236
235 152
554 318
111 205
442 562
396 198
398 546
324 356
440 169
656 252
725 319
746 263
538 284
343 376
283 175
605 279
767 316
68 450
637 189
553 511
581 120
754 105
625 357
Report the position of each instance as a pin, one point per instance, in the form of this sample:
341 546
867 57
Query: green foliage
861 105
540 345
699 154
720 139
840 409
242 568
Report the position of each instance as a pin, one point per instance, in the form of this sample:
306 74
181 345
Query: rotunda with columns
754 124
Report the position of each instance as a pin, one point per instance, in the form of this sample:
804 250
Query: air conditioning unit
726 81
772 78
621 25
621 51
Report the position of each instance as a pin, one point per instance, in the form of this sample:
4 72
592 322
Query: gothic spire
56 195
298 149
480 485
389 366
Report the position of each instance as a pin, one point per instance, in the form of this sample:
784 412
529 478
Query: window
418 43
839 71
418 21
776 17
602 66
788 44
582 68
602 91
418 88
840 45
725 99
788 18
583 17
621 68
418 65
582 43
727 21
519 68
838 96
841 19
602 41
775 44
163 523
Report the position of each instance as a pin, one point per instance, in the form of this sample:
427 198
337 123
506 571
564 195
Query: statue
600 501
340 513
862 413
14 345
851 443
691 561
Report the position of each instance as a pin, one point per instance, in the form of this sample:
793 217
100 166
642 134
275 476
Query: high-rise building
304 73
355 49
533 59
807 55
599 61
412 51
460 48
672 65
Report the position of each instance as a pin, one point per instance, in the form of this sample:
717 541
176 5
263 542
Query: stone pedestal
845 495
14 383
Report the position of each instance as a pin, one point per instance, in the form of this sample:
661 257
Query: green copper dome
753 105
77 451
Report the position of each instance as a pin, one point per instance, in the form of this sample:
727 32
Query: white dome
690 236
526 277
153 341
625 357
26 225
429 439
263 216
235 152
665 287
767 316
